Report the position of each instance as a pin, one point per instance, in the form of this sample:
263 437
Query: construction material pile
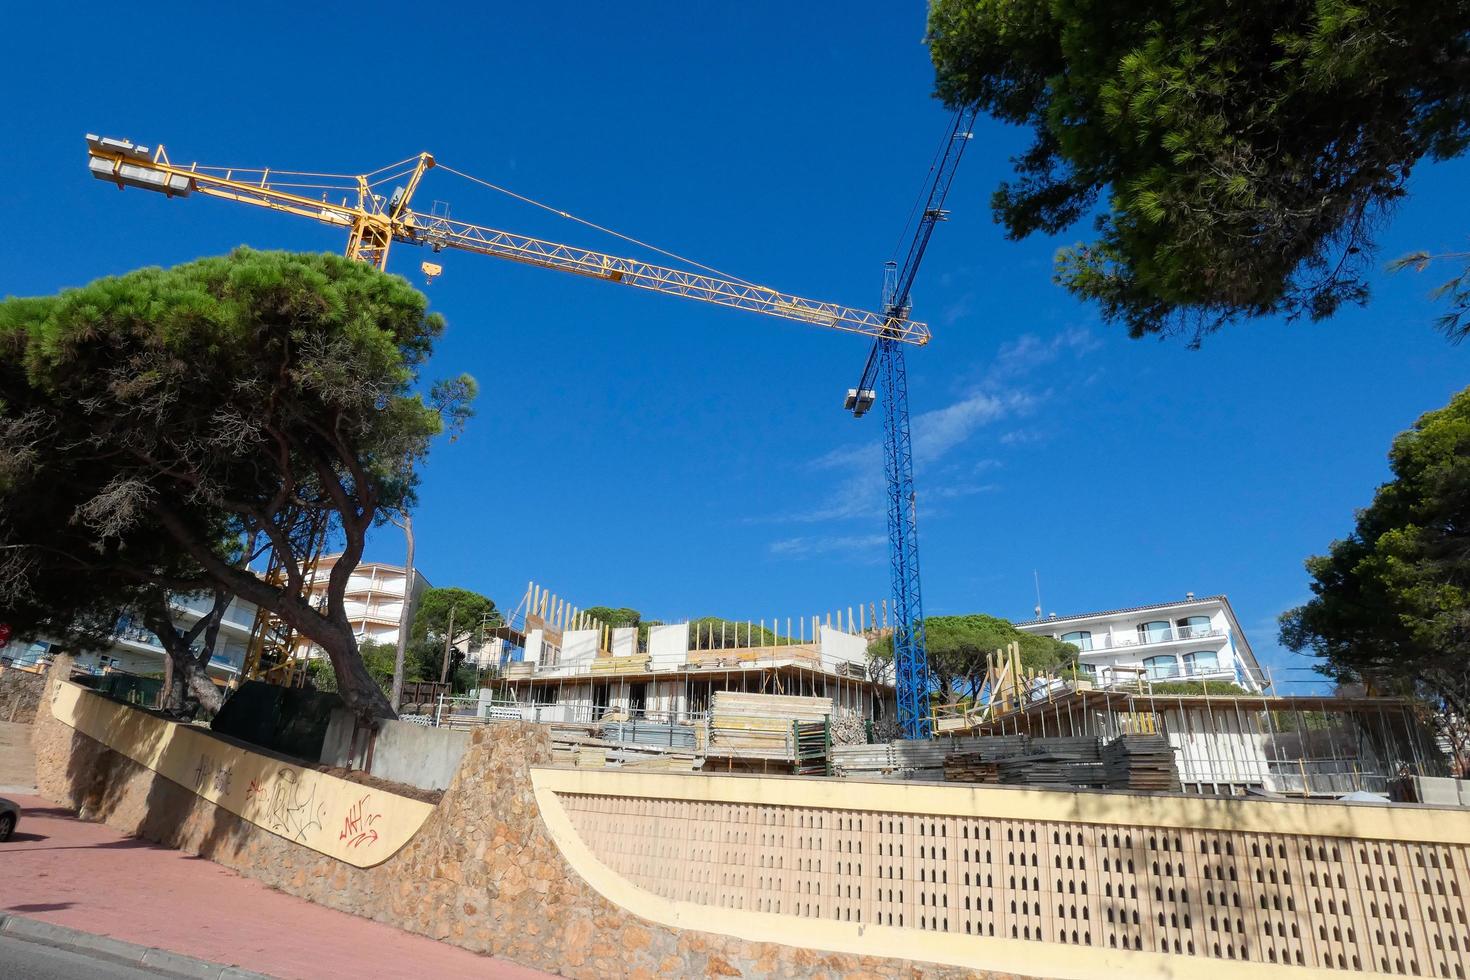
639 732
981 762
1141 762
759 726
849 728
1054 762
634 664
920 758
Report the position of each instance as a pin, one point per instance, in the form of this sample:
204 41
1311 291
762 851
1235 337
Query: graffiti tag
292 812
357 826
209 773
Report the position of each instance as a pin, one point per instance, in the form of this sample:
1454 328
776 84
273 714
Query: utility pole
448 638
405 619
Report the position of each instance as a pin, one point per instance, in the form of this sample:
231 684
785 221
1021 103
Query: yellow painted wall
345 820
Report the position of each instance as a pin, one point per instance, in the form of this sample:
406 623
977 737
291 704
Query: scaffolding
1235 744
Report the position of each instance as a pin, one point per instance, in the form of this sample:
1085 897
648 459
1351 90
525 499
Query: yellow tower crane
374 220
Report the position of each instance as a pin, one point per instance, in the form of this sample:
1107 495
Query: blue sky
639 450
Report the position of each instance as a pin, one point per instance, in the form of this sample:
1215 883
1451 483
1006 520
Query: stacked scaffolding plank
980 763
635 664
1141 762
759 726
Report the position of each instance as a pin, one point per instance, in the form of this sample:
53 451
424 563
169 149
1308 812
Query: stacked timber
1141 762
979 762
520 668
744 656
971 767
636 664
759 726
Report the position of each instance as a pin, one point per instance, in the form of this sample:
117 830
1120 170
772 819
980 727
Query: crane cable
596 227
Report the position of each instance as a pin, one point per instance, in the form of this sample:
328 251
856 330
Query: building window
1201 662
1160 668
1082 639
1155 632
1194 626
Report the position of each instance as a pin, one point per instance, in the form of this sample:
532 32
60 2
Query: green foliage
616 618
1391 602
1196 687
1456 290
228 400
714 633
376 657
959 646
1245 148
471 610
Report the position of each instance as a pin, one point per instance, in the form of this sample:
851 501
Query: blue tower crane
885 370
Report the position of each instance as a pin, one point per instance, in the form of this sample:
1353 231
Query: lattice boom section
1341 903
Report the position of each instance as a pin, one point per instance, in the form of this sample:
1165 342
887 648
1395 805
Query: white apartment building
1195 639
374 598
136 650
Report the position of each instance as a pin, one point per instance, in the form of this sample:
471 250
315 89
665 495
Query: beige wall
1056 883
596 873
345 820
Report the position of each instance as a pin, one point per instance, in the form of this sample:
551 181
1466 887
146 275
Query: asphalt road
34 961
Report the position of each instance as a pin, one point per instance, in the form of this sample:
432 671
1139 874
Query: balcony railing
1174 634
1119 676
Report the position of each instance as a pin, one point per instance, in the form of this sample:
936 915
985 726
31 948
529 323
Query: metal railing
559 713
708 662
1126 640
1116 676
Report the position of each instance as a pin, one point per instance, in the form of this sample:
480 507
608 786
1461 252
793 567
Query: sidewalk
86 876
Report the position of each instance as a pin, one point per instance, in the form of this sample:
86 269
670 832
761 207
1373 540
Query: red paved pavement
87 876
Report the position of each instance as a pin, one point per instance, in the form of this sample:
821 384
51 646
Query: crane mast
885 366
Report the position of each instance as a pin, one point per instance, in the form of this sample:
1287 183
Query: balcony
1133 639
1114 677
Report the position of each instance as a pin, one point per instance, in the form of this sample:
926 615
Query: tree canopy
230 401
959 645
1391 601
471 610
1245 149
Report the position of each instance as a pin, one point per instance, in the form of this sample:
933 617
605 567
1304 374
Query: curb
158 960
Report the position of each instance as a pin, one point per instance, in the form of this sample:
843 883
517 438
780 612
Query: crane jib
373 228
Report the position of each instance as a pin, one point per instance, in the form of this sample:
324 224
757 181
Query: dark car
9 817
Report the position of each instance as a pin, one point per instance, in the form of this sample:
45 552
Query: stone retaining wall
482 873
20 693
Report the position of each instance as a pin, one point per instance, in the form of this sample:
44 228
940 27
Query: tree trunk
360 693
184 671
405 617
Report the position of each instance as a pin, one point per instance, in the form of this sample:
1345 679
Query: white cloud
811 546
999 395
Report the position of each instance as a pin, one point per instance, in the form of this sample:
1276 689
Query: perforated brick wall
1298 900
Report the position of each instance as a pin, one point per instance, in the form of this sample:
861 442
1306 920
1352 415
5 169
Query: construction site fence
460 710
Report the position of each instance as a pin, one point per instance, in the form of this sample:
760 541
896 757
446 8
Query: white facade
1196 639
374 597
136 650
677 678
